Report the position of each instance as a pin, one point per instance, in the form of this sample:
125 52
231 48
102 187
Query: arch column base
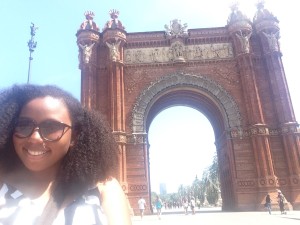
295 191
267 185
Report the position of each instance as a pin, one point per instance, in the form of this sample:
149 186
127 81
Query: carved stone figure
272 39
244 40
178 51
86 52
139 56
114 50
128 56
155 54
33 29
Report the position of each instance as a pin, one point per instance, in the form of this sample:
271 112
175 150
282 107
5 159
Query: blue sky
55 60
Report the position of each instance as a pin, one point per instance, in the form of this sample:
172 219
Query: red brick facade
233 75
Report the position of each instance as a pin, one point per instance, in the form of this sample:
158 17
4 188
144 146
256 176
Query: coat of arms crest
176 29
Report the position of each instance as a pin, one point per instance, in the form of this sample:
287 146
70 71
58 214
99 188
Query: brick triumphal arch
232 74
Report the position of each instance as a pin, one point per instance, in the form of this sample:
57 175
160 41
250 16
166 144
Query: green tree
209 185
210 179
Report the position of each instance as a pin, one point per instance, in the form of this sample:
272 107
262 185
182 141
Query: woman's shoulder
107 196
96 195
108 184
114 202
86 207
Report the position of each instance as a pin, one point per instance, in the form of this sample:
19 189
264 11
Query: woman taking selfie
58 161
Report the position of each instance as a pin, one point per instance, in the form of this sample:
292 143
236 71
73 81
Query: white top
142 203
20 210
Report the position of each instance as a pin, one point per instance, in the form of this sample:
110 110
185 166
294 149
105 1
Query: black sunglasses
49 130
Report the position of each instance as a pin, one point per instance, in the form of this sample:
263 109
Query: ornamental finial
89 15
114 22
114 13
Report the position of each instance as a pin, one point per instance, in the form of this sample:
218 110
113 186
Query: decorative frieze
290 127
261 182
261 129
124 186
120 137
274 131
268 181
137 138
295 180
138 187
176 50
282 181
246 183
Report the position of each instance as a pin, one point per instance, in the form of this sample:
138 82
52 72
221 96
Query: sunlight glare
181 146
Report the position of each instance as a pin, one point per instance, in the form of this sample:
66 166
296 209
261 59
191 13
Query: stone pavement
211 217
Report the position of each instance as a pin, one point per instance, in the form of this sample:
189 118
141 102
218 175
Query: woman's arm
114 203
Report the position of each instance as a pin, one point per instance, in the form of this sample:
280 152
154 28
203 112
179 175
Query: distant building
162 189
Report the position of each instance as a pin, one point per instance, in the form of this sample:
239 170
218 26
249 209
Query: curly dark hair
93 157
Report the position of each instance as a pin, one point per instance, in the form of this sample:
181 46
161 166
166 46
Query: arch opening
181 147
202 102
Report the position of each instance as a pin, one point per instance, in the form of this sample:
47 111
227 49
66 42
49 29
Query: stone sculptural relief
177 49
86 52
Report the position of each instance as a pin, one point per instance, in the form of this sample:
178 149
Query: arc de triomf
233 74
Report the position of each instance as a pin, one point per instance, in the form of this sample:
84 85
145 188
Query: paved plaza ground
216 216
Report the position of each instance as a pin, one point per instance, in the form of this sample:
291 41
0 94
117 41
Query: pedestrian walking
158 206
185 206
281 200
193 204
268 203
142 206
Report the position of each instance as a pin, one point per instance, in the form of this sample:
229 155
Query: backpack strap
49 213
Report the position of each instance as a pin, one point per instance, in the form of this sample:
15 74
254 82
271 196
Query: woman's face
36 153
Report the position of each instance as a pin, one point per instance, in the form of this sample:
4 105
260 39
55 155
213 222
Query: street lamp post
31 45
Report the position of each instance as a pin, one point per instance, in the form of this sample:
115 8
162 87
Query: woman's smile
35 152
